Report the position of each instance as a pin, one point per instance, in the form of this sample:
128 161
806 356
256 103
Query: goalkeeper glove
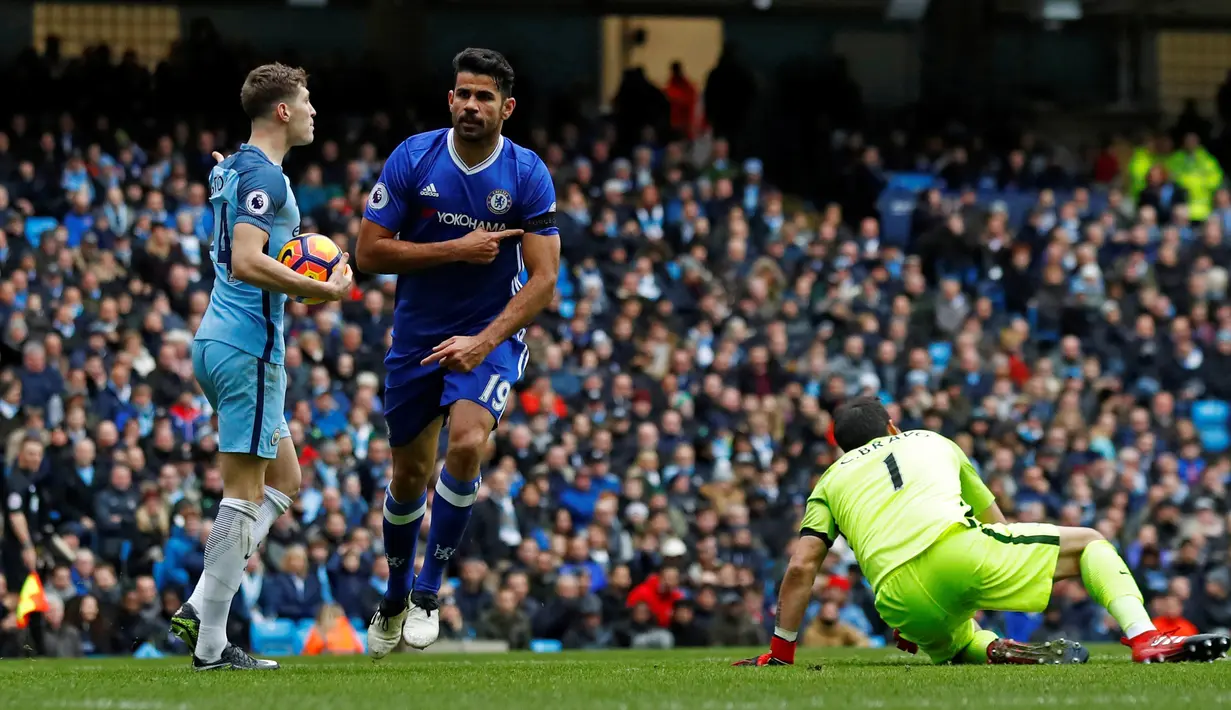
908 646
781 653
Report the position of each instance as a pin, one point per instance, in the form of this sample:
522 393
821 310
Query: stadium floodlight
762 5
910 10
1059 10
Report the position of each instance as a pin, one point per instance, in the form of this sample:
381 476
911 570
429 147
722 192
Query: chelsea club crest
499 201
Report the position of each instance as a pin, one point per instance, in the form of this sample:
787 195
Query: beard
473 129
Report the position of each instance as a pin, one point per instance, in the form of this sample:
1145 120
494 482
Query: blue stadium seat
1210 417
1210 413
1215 441
564 282
1098 202
545 646
912 181
361 627
148 650
941 353
1019 205
273 637
896 206
302 629
35 226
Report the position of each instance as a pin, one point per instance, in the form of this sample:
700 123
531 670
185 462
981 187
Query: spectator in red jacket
661 592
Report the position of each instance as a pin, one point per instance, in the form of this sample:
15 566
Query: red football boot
1157 647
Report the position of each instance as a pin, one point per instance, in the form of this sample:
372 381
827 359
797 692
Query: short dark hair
858 421
267 86
486 62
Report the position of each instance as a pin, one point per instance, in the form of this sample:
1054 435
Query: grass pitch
623 680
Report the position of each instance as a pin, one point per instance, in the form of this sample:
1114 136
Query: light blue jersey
248 188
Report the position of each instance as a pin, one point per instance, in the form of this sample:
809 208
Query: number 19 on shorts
496 393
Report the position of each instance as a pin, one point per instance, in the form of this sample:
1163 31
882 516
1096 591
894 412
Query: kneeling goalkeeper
936 549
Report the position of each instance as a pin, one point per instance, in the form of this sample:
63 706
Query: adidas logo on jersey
430 191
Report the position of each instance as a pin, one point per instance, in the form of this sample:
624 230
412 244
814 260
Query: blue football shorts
248 395
416 394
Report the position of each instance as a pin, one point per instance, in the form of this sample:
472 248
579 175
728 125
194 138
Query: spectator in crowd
97 632
506 621
686 629
828 630
332 634
295 593
59 640
733 626
589 633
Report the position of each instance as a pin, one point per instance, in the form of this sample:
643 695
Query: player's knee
1076 540
466 447
290 486
413 471
285 478
1092 536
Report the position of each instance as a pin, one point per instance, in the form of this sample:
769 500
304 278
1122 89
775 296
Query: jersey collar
253 149
461 164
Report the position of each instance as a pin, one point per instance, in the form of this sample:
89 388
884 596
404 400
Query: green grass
610 681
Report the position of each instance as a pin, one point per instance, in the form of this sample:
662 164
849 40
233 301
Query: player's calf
450 515
456 491
1087 553
404 508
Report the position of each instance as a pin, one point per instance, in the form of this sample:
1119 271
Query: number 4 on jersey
895 475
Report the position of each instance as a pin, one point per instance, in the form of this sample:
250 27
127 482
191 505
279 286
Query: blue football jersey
427 194
248 188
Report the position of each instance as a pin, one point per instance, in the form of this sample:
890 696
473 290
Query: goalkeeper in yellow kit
936 549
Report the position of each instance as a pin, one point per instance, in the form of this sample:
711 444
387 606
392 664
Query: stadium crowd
645 485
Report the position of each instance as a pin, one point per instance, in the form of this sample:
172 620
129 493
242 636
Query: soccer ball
313 255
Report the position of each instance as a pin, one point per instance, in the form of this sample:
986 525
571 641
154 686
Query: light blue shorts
248 395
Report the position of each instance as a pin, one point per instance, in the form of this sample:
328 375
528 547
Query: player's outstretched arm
793 598
378 250
250 264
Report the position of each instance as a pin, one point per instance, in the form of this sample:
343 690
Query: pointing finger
505 234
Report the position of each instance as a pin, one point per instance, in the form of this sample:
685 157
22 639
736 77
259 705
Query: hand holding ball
311 255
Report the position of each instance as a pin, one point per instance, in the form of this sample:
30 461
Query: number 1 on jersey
895 475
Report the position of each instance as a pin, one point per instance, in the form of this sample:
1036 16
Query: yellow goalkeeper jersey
894 497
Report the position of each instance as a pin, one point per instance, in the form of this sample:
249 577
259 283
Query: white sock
276 503
1130 609
226 552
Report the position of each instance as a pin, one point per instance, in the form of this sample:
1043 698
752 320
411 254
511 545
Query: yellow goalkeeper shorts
932 599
